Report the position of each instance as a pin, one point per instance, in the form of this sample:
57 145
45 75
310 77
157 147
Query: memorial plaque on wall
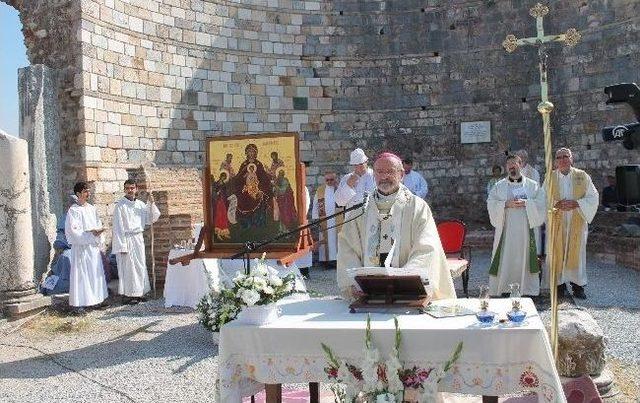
475 132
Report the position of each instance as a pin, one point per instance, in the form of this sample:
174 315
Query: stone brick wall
178 194
605 242
151 79
410 71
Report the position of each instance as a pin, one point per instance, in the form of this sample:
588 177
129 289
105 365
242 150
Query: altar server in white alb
83 229
416 183
396 227
354 185
324 204
576 201
516 207
130 218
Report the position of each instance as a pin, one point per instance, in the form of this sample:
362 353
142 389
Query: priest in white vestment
83 229
324 204
130 217
353 186
576 200
516 206
396 227
533 174
413 180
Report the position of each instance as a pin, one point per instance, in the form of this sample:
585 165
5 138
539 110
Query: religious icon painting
253 190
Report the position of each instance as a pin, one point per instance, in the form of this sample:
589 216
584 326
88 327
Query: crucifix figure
545 107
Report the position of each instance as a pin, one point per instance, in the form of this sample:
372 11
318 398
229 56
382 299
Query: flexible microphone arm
251 246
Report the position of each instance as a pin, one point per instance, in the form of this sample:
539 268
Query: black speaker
628 184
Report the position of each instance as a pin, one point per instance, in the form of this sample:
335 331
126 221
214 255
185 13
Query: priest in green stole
576 202
516 206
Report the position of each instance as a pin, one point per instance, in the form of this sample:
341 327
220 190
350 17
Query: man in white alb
516 206
354 185
130 217
83 229
414 180
576 200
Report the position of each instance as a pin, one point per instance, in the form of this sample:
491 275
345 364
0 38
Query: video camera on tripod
627 176
628 133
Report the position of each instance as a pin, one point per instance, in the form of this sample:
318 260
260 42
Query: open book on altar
387 271
389 287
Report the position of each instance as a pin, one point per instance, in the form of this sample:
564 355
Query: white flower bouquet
383 380
262 286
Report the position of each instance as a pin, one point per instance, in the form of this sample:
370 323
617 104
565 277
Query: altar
497 359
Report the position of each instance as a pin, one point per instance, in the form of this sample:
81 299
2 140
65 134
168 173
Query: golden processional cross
511 43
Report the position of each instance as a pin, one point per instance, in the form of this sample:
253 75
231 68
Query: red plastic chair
452 234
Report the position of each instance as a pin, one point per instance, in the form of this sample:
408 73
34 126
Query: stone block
581 344
300 103
20 307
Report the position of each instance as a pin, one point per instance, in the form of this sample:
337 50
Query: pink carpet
577 390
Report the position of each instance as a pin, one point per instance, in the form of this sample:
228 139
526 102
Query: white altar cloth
186 285
496 360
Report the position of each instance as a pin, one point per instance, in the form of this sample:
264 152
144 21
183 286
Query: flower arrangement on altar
261 287
377 380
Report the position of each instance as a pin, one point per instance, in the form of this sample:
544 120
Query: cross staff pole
545 107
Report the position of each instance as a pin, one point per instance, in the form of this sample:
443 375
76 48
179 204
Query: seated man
60 264
393 215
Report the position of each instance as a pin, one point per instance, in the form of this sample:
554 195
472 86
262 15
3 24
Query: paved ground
147 353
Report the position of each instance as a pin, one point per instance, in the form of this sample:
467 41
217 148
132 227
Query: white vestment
130 217
416 183
329 247
533 174
417 243
512 229
588 206
346 196
87 284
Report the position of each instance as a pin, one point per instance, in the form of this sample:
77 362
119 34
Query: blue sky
12 56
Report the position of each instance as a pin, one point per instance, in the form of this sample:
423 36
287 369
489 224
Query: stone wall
606 242
152 79
178 194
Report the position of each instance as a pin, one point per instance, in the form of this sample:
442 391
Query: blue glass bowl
516 316
486 316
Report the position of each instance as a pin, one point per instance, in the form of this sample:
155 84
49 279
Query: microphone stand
252 246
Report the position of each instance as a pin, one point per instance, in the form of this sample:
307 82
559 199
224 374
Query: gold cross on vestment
510 44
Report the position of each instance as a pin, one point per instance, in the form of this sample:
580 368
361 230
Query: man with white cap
353 186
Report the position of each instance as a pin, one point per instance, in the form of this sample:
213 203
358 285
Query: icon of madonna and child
254 203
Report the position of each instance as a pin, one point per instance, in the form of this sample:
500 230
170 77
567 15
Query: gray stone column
17 290
37 86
